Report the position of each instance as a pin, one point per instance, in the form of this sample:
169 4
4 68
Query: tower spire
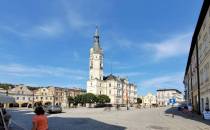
96 32
96 44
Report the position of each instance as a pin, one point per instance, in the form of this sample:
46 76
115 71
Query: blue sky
46 42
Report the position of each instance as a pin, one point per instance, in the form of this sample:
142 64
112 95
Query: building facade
27 97
149 100
196 79
118 89
163 96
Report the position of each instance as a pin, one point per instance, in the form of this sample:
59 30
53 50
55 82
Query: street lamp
127 97
7 93
33 99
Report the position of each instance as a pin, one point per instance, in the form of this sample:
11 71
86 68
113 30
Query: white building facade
149 100
163 96
118 89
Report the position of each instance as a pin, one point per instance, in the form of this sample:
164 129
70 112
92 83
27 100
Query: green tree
102 99
77 99
139 100
90 98
6 86
70 100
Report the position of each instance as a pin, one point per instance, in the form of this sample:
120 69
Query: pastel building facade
27 97
149 100
197 72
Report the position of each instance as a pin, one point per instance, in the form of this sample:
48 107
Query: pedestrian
7 117
40 121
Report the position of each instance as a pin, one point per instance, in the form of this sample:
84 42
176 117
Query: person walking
40 121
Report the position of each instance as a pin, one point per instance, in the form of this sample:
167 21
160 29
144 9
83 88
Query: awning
6 99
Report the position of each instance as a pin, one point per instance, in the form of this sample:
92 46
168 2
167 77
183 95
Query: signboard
172 101
206 115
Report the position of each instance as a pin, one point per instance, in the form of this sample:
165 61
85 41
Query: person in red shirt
40 121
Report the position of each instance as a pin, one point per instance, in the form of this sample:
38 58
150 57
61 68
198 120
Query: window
202 104
204 24
41 98
101 65
118 92
206 70
36 97
46 98
17 98
110 85
209 12
23 98
207 104
100 92
205 44
110 92
91 64
209 30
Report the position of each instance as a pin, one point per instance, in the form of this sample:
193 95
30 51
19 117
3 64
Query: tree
70 100
77 99
139 100
90 98
102 99
6 86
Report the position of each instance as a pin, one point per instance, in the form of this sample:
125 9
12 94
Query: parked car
182 107
54 109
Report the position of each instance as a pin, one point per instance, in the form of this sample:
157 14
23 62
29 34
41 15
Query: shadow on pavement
24 120
61 123
191 116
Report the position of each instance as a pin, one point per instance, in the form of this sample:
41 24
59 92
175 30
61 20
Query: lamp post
33 99
7 93
127 98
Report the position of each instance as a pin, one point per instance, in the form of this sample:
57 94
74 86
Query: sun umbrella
6 99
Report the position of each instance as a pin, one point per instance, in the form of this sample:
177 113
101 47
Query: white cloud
172 47
124 43
53 28
19 70
166 81
49 29
77 19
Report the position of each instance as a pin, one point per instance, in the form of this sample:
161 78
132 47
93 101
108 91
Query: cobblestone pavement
98 119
